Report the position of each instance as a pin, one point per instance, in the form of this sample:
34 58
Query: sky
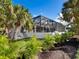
48 8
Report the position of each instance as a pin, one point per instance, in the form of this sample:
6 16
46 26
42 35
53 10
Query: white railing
37 34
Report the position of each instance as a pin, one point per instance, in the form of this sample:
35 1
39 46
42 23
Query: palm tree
70 9
71 13
23 16
11 15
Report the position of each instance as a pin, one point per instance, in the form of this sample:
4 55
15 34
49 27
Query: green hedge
49 40
31 47
77 54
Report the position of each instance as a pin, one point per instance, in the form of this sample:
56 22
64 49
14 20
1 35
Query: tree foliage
3 57
29 48
13 50
12 16
70 13
48 42
33 47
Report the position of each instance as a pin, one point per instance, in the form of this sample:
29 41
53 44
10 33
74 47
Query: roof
42 18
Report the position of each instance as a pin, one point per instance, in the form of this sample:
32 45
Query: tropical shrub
77 55
11 50
48 42
3 57
66 36
16 49
33 47
57 37
29 48
4 46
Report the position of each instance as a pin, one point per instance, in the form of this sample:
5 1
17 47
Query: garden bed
65 50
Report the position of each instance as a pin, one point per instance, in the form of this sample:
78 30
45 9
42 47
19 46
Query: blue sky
48 8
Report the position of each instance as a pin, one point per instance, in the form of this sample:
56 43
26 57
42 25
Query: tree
23 16
14 14
70 13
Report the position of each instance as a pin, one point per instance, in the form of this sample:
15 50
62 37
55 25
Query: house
44 24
